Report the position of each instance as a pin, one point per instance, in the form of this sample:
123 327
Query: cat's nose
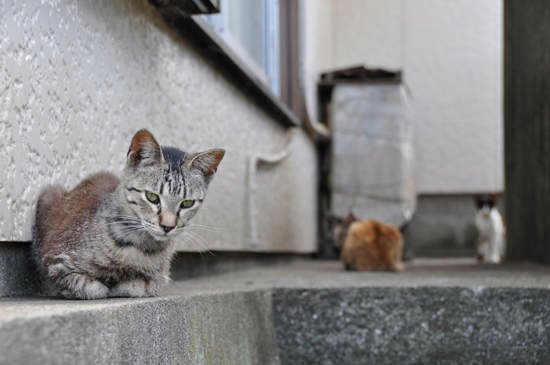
167 229
167 221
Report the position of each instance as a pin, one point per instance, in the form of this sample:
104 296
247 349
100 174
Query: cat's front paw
153 286
132 288
96 290
85 288
89 289
398 266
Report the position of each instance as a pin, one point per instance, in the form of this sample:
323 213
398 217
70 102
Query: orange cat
370 245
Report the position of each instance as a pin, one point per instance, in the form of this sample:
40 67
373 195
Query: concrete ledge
300 313
228 328
16 271
18 275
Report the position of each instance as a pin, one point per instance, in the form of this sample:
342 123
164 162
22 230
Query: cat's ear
206 162
351 217
144 150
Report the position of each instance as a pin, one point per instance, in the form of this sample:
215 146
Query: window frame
217 49
270 71
234 44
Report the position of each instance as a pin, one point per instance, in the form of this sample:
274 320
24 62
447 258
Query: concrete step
16 270
300 313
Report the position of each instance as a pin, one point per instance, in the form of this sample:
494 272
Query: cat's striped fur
114 237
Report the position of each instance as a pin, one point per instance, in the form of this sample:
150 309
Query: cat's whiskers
205 227
126 226
189 240
107 236
192 227
134 221
122 222
198 240
123 216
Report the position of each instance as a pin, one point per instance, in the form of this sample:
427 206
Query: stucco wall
78 78
451 55
316 39
369 32
453 65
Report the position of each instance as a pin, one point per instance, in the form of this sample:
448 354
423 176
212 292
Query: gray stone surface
17 276
223 328
310 312
464 273
412 325
78 78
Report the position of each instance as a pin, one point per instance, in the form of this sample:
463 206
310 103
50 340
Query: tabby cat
115 237
368 245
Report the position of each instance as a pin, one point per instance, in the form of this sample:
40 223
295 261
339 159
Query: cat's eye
187 203
152 197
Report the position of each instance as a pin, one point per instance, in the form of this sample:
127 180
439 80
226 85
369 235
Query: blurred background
391 109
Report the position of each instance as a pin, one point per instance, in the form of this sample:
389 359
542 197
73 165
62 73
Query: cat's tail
45 208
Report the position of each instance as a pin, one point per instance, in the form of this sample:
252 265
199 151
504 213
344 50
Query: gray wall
527 129
78 78
443 225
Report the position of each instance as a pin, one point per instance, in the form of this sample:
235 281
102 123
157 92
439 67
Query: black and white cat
491 246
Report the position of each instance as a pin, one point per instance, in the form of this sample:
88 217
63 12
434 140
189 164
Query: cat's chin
161 237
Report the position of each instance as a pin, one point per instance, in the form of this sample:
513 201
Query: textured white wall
451 55
316 41
453 64
367 32
78 78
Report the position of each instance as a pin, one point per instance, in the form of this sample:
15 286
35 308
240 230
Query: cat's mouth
159 235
